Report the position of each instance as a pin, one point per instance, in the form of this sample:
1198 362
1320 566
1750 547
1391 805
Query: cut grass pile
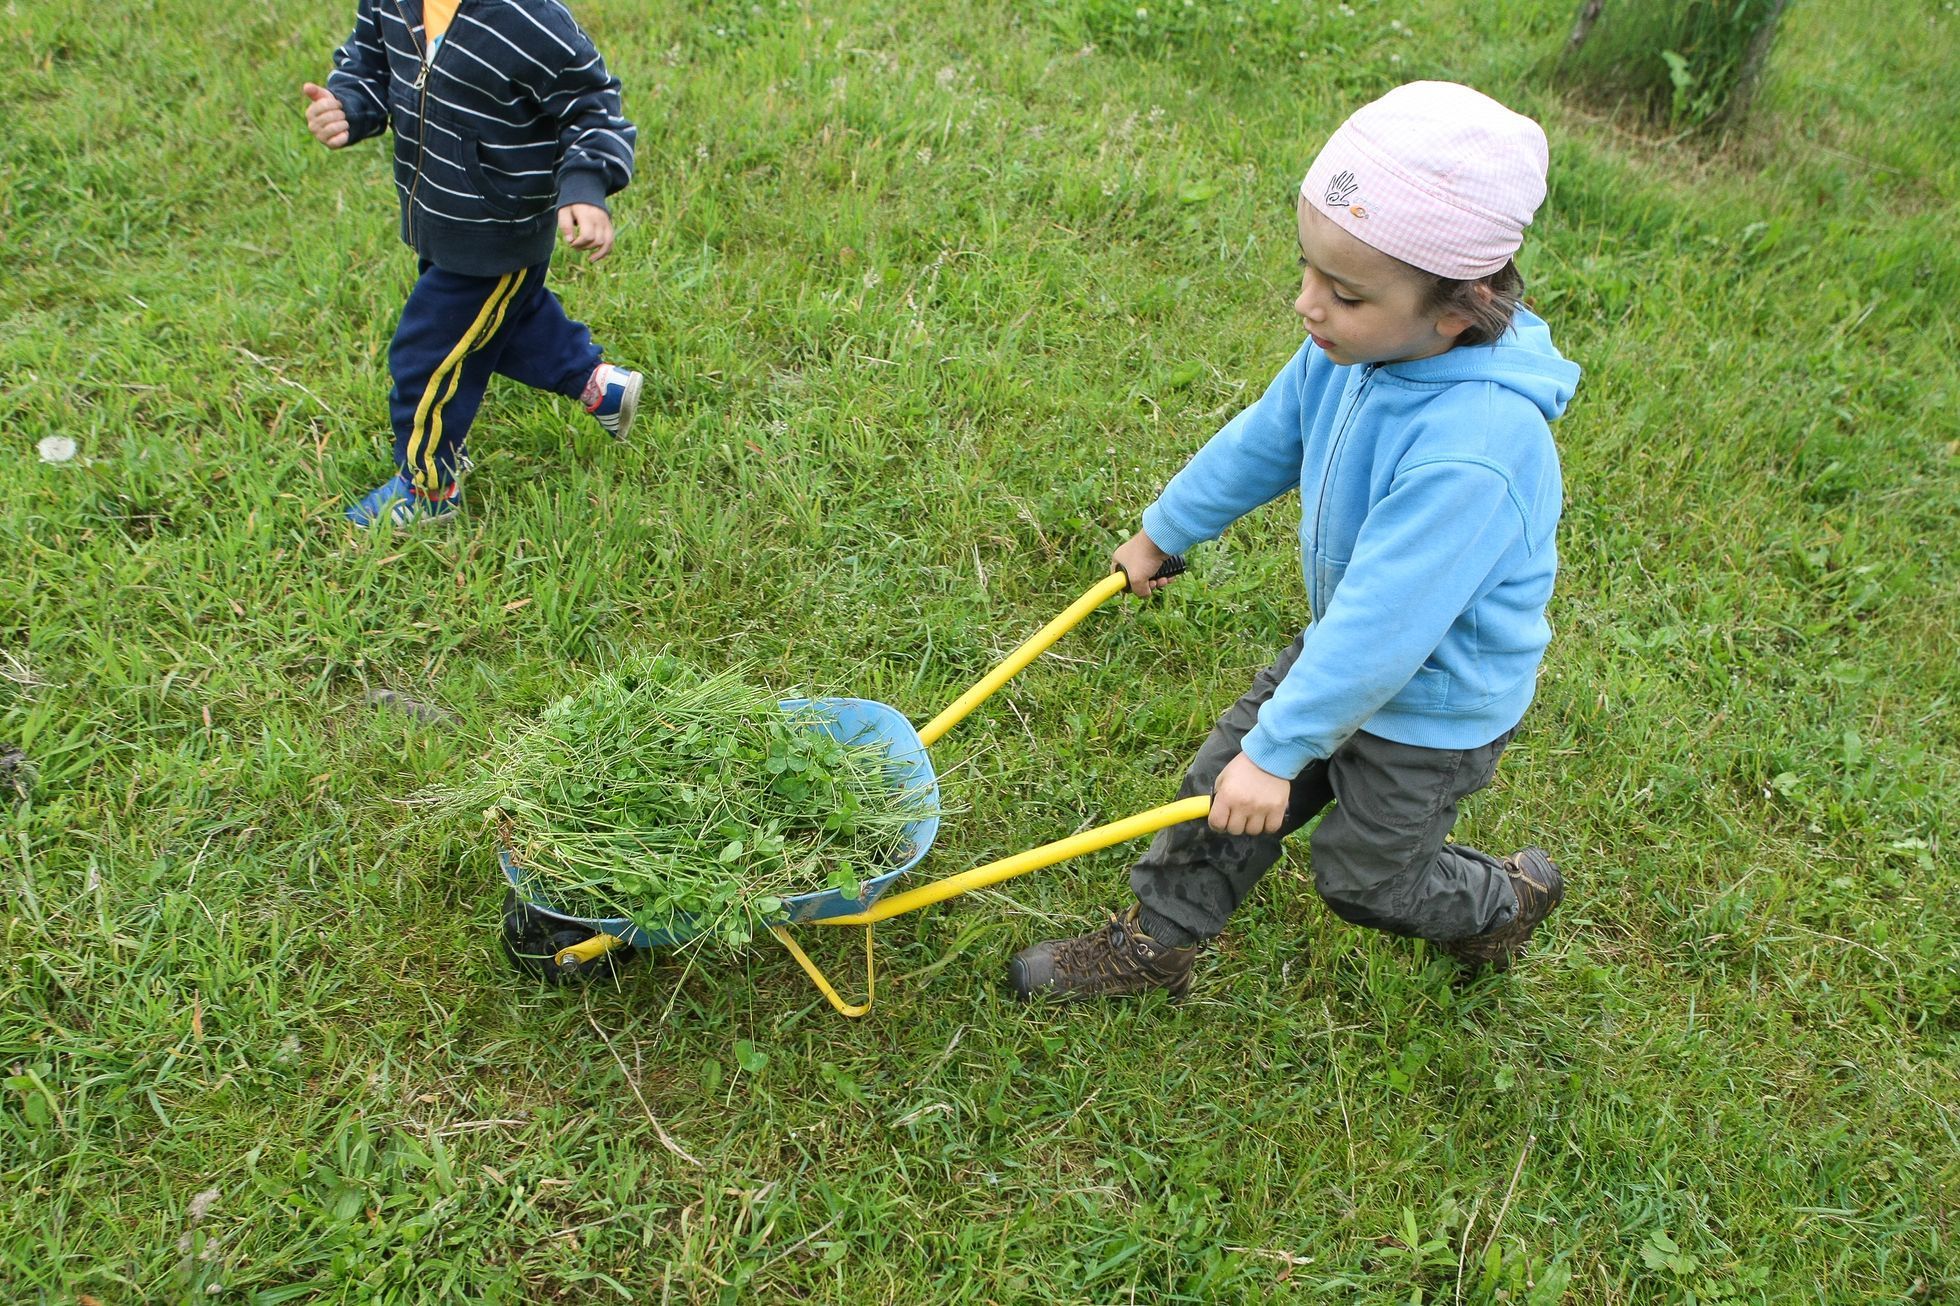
681 798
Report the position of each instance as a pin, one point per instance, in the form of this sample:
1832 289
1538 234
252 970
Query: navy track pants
456 331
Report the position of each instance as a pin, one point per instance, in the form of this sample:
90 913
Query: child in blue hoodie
1414 424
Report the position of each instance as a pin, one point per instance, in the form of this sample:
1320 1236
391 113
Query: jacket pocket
1427 691
402 113
1324 577
495 198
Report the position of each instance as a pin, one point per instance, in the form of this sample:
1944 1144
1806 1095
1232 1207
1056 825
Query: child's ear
1453 322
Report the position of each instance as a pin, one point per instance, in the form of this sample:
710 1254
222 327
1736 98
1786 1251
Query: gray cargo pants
1379 859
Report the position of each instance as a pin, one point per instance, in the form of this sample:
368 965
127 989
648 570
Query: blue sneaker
612 394
396 502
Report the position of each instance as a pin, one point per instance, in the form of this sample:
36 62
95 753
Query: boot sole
388 523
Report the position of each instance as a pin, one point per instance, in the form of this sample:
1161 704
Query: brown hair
1488 302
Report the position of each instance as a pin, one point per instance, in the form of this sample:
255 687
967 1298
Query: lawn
932 299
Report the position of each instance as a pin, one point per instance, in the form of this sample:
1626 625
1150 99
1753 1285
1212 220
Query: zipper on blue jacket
1327 476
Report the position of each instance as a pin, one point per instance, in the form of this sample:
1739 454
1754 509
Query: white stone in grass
57 449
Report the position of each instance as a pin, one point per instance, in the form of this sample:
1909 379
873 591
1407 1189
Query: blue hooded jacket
1429 495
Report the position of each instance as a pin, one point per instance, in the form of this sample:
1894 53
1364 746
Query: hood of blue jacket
1523 360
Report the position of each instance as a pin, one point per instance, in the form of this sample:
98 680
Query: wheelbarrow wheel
532 942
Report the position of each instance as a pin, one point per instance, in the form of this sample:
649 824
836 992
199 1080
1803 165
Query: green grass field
932 299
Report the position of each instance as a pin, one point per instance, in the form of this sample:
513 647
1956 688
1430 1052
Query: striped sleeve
360 76
595 141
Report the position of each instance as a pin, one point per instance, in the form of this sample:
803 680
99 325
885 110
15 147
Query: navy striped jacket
514 117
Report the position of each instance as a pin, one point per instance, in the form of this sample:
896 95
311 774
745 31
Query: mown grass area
933 298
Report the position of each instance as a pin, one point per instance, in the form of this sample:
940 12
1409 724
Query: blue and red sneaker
612 394
396 502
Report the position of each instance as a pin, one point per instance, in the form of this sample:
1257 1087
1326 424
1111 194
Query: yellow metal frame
981 877
590 950
1034 859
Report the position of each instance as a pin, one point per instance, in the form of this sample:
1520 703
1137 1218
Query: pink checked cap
1435 174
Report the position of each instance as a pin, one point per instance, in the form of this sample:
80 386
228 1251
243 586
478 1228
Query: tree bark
1754 56
1582 26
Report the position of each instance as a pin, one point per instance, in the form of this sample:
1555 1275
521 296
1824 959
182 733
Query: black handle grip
1173 567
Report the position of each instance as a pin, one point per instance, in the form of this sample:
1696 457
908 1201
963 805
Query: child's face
1362 306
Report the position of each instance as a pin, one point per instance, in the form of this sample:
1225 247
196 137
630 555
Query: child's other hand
324 117
1249 799
587 226
1139 559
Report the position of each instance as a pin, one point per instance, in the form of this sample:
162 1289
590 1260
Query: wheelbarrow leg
981 877
823 985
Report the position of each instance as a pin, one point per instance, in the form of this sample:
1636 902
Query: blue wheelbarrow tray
855 721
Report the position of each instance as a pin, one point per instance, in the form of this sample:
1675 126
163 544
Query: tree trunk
1583 25
1751 69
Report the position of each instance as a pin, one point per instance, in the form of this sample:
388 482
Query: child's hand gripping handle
1173 567
1144 566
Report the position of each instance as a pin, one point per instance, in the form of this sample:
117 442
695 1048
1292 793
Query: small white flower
945 77
57 449
925 154
1395 58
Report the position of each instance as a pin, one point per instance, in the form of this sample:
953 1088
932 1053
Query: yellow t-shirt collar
436 16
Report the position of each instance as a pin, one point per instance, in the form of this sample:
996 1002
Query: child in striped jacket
508 135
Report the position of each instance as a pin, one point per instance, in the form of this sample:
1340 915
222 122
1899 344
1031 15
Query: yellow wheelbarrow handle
1036 644
981 877
1100 593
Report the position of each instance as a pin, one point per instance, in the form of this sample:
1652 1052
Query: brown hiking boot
1116 959
1539 888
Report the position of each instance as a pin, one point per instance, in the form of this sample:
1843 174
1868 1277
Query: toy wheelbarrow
562 948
